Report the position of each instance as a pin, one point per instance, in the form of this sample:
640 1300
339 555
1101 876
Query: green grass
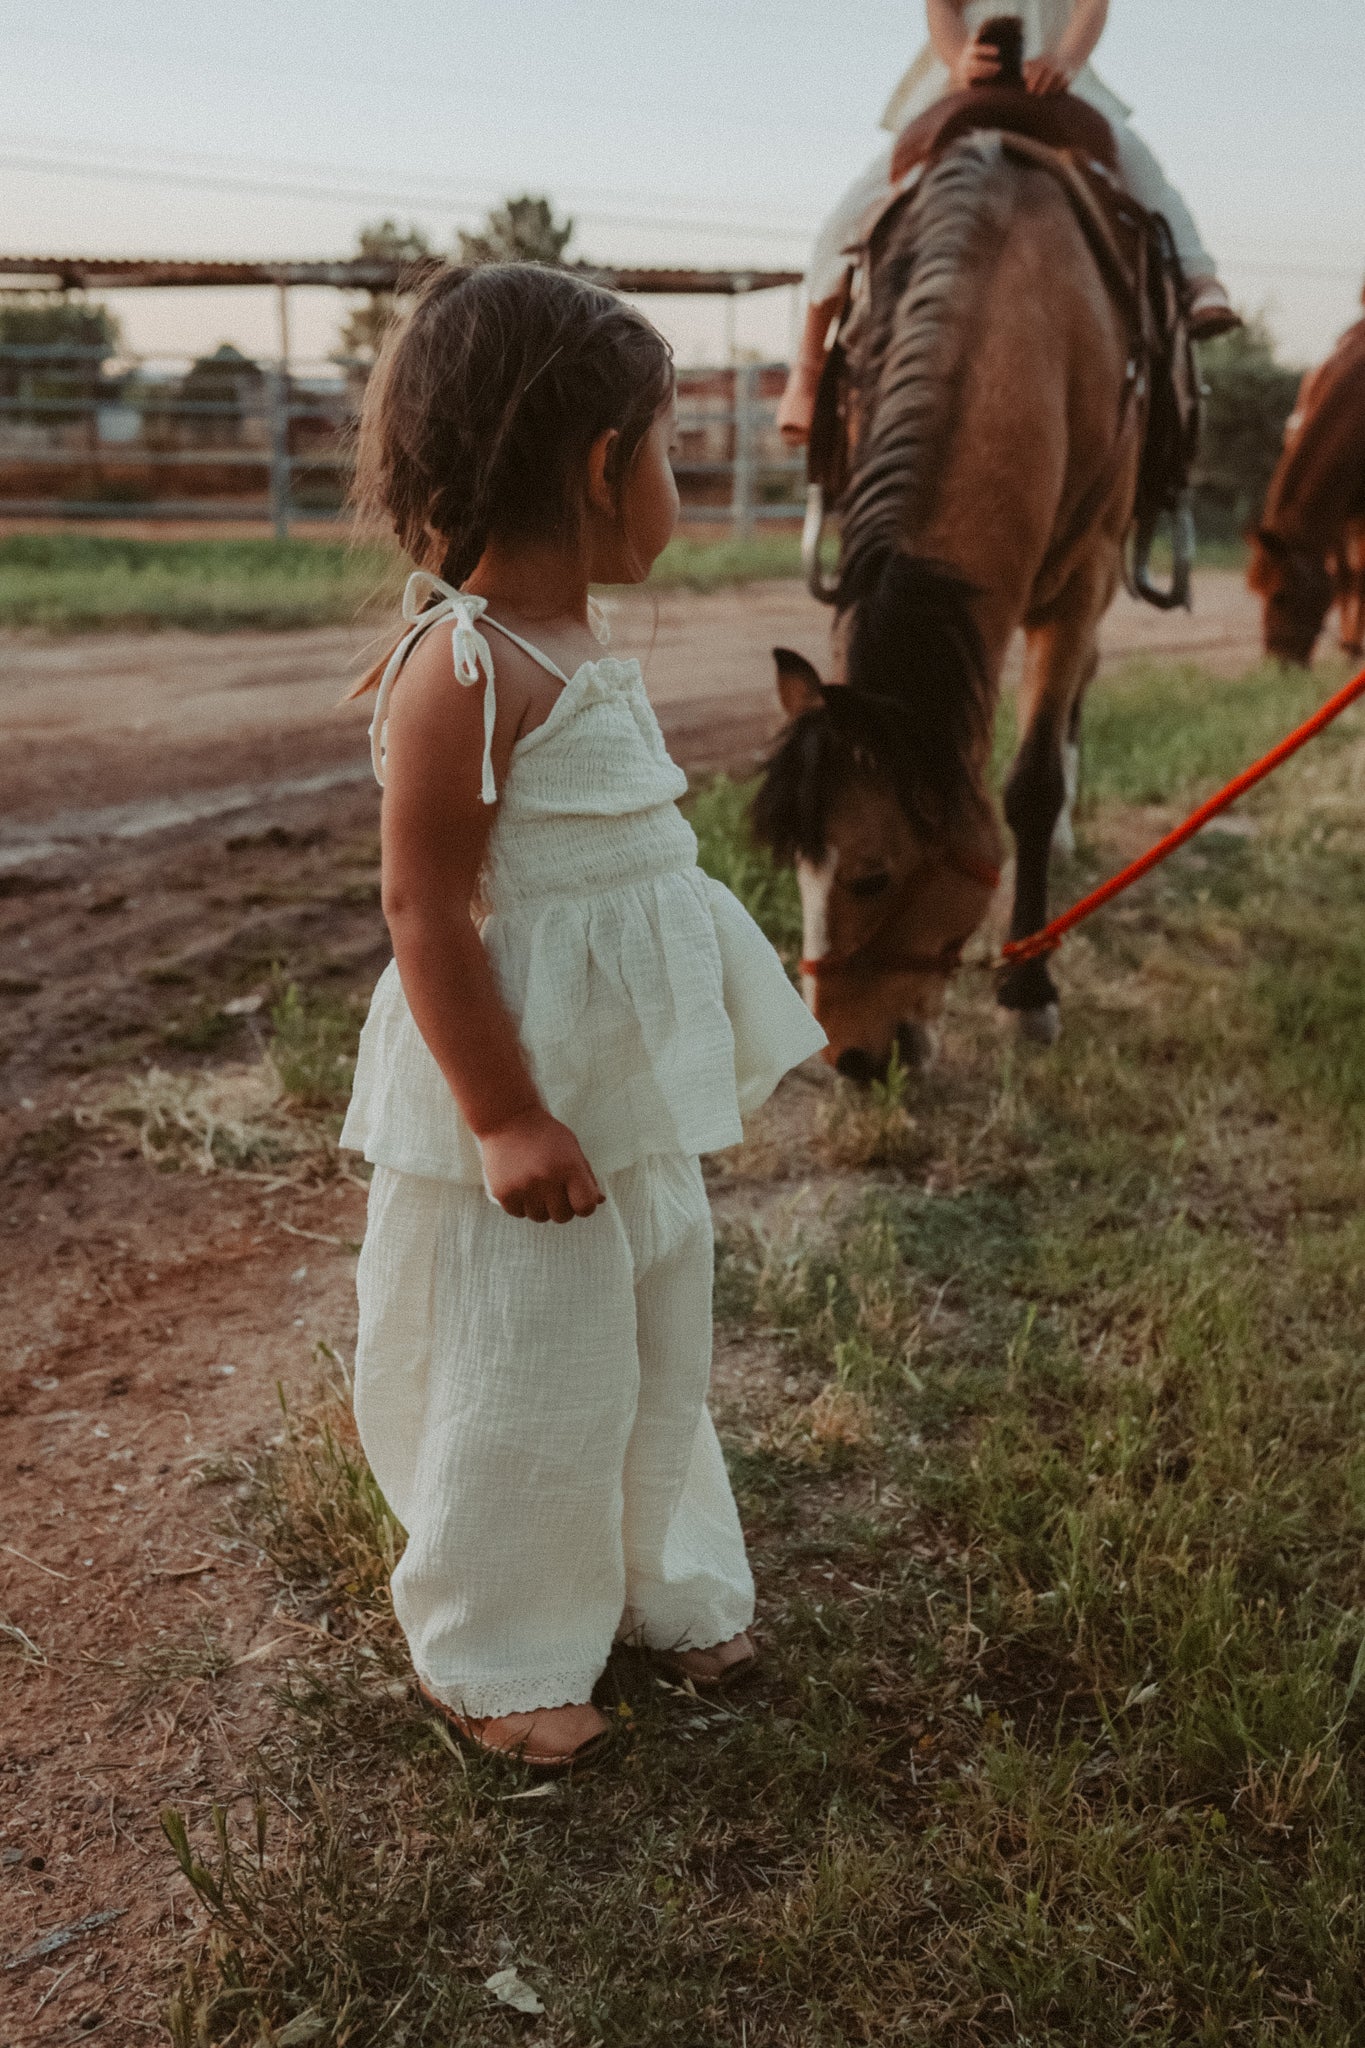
1056 1498
82 582
77 582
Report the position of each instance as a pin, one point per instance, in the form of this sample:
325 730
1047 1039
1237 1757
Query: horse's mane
924 291
1320 478
923 728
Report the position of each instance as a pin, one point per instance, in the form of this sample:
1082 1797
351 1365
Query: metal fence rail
116 435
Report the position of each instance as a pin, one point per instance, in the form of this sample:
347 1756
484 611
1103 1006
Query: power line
371 195
331 185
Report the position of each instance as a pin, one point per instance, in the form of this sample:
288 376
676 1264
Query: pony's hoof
1041 1027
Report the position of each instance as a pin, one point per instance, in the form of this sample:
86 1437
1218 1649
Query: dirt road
124 718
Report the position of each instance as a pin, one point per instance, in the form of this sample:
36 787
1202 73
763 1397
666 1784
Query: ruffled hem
487 1698
654 1018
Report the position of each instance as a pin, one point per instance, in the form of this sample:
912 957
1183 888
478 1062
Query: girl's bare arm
435 834
1055 69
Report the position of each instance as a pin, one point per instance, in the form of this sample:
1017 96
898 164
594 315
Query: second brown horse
993 486
1310 547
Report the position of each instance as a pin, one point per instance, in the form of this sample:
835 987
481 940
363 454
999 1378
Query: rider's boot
1211 313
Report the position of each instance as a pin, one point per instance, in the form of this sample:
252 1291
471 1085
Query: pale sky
711 132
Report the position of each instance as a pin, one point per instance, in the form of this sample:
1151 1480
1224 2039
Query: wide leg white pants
532 1400
1141 171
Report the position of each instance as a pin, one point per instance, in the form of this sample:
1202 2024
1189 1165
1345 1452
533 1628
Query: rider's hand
1044 75
535 1167
977 65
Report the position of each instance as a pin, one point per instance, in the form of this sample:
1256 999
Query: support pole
744 378
279 397
744 389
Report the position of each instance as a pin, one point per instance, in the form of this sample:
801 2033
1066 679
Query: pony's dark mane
923 729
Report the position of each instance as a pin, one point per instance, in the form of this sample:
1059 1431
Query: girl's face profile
644 509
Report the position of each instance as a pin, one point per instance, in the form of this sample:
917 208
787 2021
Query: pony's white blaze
814 883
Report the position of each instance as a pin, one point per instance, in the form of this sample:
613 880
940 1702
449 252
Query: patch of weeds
204 1030
873 1126
315 1507
199 1656
225 1119
313 1045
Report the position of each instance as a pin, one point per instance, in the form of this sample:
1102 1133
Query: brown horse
993 485
1309 550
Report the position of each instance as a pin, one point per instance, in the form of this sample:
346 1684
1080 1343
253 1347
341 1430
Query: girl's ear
601 493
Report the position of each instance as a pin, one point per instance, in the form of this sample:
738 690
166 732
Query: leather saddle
1058 120
1073 143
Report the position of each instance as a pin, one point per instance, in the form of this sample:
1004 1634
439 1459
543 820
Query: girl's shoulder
450 713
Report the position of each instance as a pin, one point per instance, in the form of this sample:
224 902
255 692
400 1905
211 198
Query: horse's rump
1319 482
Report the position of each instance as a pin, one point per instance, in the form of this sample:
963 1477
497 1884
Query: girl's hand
977 65
1045 76
535 1167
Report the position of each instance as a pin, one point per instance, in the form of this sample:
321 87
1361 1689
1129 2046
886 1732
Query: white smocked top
652 1011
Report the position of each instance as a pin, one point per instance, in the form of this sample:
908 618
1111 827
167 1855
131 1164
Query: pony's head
1295 589
874 792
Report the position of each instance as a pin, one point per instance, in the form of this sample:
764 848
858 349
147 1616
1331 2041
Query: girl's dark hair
485 401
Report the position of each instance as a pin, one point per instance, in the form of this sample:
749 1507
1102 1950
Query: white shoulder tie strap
473 658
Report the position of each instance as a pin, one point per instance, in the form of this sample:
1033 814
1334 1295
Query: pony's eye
867 886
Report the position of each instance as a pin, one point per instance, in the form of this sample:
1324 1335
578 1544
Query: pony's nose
859 1067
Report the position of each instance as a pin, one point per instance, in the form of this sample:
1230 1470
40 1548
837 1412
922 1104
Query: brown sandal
687 1664
470 1730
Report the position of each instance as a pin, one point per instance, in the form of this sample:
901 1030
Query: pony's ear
1271 542
798 682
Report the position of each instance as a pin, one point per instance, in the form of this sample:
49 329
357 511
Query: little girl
573 1014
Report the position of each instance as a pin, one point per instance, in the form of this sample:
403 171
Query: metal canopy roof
355 273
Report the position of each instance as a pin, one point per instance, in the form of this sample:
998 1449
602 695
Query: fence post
742 495
278 395
277 402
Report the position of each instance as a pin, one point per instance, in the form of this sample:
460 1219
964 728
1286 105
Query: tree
521 230
76 334
365 328
1250 396
229 382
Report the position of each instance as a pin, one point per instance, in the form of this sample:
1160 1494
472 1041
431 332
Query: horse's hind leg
1060 661
1064 831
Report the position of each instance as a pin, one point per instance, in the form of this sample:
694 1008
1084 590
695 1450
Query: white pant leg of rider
828 261
1149 185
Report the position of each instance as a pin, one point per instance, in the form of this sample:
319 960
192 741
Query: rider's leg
1210 311
824 280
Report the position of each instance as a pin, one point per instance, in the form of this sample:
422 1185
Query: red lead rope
1049 938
